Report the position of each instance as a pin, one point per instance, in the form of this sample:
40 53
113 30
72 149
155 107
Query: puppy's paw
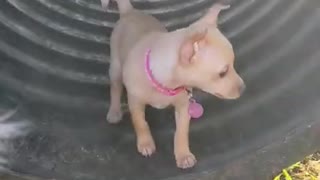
146 146
114 116
185 160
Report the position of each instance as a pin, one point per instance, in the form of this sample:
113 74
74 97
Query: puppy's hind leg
116 88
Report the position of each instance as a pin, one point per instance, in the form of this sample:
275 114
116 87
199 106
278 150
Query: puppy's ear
190 46
211 16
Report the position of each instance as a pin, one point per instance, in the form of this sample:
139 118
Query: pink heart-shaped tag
195 109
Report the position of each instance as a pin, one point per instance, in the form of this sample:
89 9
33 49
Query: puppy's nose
242 88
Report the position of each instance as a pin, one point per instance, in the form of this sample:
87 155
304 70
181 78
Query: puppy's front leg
145 142
184 158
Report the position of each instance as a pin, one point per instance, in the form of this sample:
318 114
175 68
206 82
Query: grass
307 169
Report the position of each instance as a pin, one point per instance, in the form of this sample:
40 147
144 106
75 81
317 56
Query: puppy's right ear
104 4
190 46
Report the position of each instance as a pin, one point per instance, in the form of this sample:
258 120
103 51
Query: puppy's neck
164 60
163 69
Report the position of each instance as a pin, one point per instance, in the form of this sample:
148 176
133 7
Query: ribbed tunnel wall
55 54
67 43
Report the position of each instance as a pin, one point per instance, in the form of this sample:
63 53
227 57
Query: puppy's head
206 58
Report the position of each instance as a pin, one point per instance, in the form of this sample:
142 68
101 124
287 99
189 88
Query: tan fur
198 56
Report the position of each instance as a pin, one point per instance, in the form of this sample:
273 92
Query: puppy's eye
224 72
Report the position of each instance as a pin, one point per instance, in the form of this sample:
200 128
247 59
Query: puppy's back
131 28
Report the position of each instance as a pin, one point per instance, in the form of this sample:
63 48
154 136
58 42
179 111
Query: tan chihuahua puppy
159 68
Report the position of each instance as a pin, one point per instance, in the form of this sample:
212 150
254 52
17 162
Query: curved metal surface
54 58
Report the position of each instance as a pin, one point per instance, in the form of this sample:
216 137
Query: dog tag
195 109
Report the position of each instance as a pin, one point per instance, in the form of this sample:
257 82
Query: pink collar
164 90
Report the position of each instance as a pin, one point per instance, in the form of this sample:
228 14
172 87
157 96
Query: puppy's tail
124 6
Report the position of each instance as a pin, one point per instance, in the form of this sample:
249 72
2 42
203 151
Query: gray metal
53 64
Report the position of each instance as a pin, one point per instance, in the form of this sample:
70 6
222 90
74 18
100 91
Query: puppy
159 68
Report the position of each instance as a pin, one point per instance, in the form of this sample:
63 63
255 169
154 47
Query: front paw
185 160
146 145
114 116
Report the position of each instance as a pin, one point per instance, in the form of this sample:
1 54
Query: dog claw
186 161
147 148
114 117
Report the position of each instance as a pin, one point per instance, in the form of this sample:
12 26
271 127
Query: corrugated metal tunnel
53 69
